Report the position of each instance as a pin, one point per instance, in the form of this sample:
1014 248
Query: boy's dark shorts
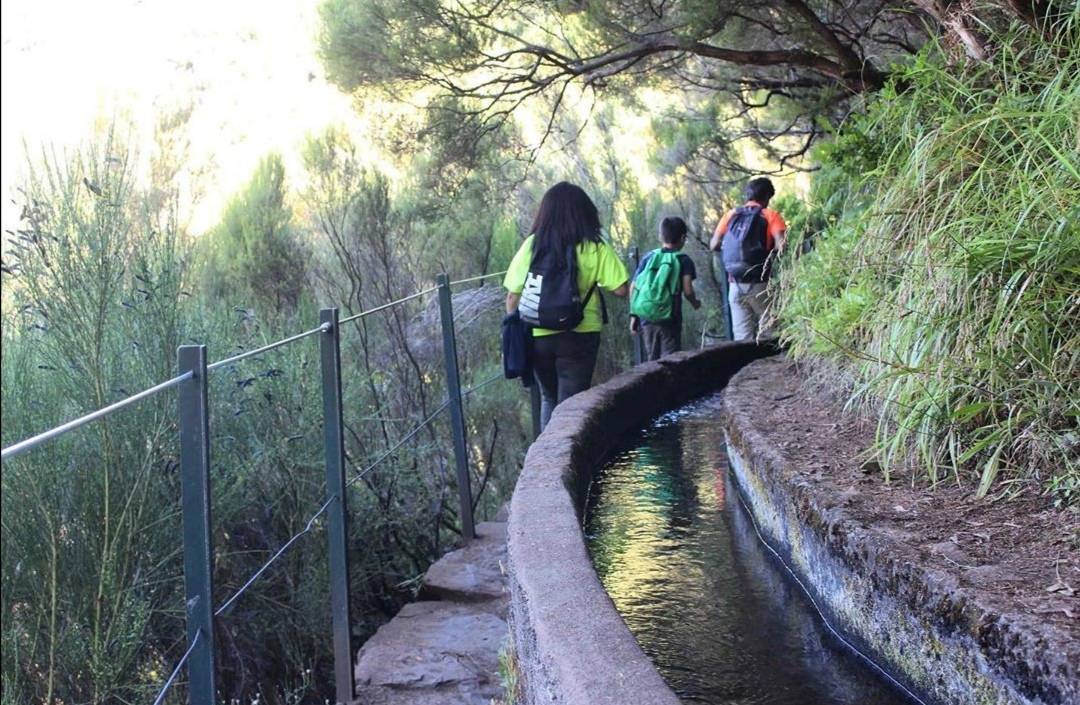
661 339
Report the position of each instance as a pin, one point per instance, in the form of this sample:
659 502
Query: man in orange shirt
747 237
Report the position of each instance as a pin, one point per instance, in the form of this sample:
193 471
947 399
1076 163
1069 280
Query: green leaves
255 250
946 287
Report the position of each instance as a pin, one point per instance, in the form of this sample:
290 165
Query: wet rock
444 650
448 647
474 573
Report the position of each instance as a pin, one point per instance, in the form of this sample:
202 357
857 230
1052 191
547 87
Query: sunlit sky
250 67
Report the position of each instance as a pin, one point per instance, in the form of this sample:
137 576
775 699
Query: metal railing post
337 526
457 415
194 426
639 341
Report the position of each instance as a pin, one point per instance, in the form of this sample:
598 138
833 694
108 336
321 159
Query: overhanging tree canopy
492 56
802 59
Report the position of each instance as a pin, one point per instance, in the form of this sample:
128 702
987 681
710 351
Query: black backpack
743 246
550 298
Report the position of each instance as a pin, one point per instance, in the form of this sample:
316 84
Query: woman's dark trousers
563 364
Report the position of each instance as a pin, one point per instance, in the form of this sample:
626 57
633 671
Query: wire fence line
383 307
374 464
480 385
400 442
277 554
176 671
34 441
193 425
310 524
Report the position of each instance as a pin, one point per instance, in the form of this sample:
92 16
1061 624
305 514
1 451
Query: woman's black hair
672 229
566 217
760 190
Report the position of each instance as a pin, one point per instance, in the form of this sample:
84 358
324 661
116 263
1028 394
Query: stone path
444 649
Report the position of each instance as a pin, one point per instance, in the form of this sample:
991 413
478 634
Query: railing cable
266 348
33 442
23 446
383 307
477 387
322 510
479 277
176 671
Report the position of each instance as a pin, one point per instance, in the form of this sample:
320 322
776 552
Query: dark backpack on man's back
550 298
743 246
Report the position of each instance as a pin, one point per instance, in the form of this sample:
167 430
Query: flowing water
711 607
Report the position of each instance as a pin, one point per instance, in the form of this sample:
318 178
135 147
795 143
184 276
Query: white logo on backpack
529 306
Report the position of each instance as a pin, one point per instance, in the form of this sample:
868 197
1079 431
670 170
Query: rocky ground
444 649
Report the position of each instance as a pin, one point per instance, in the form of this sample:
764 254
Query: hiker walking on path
554 284
747 237
663 277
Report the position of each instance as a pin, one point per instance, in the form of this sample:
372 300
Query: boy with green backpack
662 279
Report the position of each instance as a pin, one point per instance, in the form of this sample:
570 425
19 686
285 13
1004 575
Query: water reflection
679 557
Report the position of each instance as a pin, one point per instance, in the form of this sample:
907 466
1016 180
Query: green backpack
655 287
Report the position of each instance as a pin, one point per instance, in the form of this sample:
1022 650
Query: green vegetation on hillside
933 276
103 284
944 290
255 249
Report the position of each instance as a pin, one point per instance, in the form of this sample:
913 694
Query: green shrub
255 248
102 290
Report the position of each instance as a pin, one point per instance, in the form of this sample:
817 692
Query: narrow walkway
444 649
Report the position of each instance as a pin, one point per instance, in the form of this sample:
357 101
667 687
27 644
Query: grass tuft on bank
943 284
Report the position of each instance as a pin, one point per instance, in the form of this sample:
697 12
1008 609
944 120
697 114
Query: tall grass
946 285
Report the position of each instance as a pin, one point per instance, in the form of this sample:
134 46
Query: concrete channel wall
571 644
939 639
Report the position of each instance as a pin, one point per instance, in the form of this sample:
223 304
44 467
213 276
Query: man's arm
718 234
512 300
716 241
777 230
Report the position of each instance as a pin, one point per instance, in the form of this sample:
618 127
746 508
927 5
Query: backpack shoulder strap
588 295
603 304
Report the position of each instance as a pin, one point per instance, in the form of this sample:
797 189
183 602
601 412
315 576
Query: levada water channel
713 609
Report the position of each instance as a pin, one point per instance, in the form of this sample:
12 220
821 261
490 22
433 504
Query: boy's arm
688 291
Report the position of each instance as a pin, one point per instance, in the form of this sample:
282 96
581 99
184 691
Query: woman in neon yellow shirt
563 361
